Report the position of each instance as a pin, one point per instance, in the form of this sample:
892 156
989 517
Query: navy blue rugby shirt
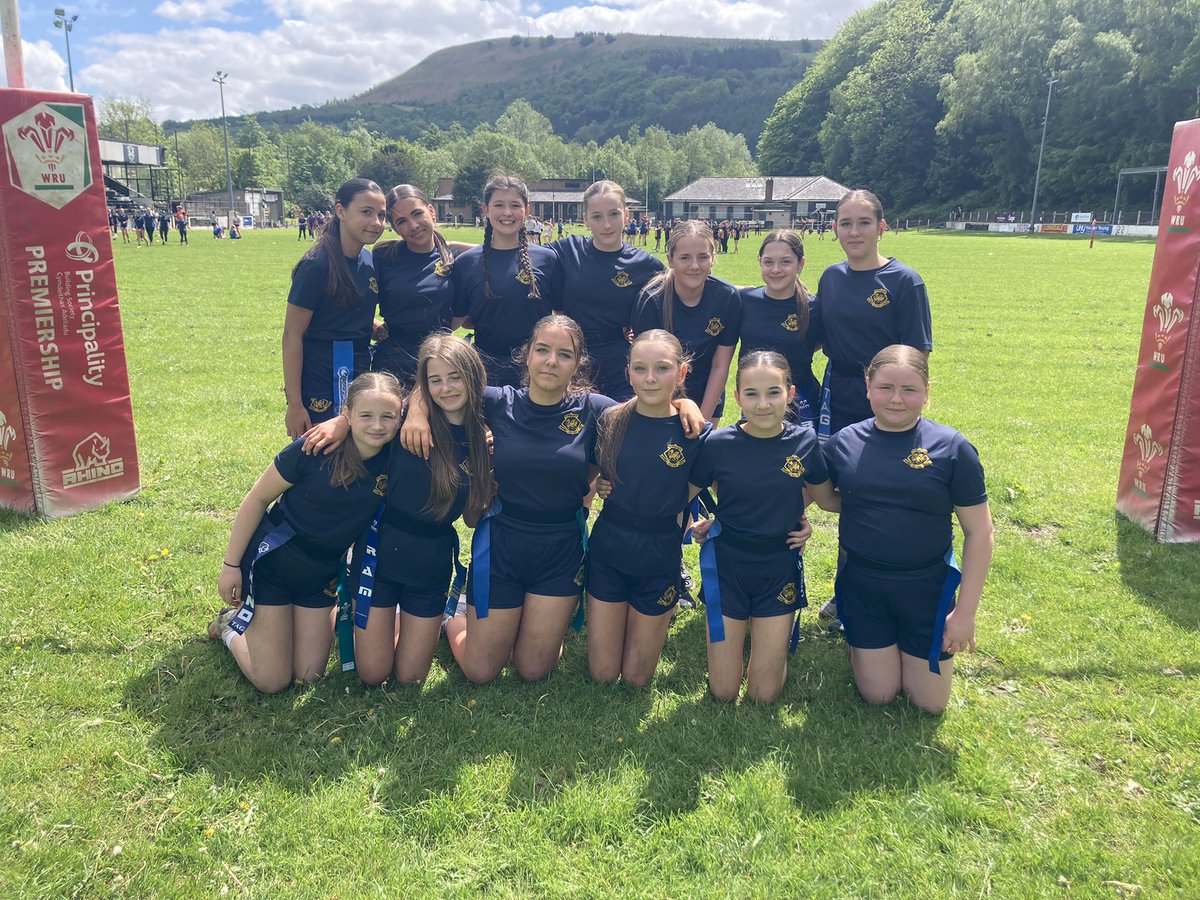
760 481
769 324
504 322
863 312
416 298
331 322
541 454
716 321
654 465
899 489
318 511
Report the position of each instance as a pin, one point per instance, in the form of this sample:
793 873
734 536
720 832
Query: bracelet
231 565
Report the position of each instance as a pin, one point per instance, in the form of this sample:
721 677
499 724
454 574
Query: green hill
591 86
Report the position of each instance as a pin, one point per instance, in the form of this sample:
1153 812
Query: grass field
137 762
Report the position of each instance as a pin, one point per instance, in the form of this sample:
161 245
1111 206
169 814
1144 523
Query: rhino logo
92 462
91 451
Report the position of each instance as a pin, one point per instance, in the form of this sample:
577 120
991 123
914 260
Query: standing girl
899 477
633 578
751 573
867 302
599 279
705 313
331 309
289 543
416 292
505 285
781 316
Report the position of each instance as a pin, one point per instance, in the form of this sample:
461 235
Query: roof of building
742 190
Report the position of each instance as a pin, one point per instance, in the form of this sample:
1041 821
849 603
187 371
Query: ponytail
341 286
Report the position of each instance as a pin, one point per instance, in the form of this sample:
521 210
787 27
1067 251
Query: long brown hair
614 422
389 248
340 287
796 245
664 282
500 182
580 382
345 463
445 477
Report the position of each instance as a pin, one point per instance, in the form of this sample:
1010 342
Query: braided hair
500 182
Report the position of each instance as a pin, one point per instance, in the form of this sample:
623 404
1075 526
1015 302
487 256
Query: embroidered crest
668 596
571 424
440 268
918 459
879 298
380 485
264 547
788 595
465 465
673 455
579 577
373 285
791 323
524 277
793 466
331 588
621 279
318 404
715 326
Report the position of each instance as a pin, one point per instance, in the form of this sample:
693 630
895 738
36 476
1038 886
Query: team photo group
577 431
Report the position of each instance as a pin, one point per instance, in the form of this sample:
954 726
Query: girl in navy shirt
505 285
705 313
416 291
331 309
899 478
289 542
781 316
750 560
633 578
598 279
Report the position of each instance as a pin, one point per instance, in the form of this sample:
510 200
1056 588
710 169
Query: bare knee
477 674
411 675
726 693
273 683
930 705
876 696
761 694
534 671
372 676
637 678
605 673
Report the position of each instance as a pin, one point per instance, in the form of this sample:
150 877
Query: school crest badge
793 467
715 326
524 278
579 576
331 588
788 595
791 323
465 465
380 485
373 285
668 596
571 424
673 455
440 269
879 298
319 404
918 459
622 280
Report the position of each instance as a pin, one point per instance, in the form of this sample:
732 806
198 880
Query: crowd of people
146 222
593 367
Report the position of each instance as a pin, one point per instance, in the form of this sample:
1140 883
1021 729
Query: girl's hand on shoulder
798 538
603 487
959 636
296 421
690 417
229 585
416 435
379 331
700 530
327 436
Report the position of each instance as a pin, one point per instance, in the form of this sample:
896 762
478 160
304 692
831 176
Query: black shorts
881 608
651 595
530 559
755 588
288 575
423 602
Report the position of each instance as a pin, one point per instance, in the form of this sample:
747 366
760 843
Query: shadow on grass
528 743
1164 576
11 521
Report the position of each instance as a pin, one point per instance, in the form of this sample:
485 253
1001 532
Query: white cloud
327 49
45 70
198 10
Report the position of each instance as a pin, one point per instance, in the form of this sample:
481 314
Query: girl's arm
978 541
690 417
327 436
415 435
457 247
266 490
825 496
295 323
717 376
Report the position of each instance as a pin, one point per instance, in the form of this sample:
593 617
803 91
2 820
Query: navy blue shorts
651 595
881 608
423 602
755 589
531 559
287 575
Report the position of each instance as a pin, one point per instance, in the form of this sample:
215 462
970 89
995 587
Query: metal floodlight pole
67 24
1037 179
219 78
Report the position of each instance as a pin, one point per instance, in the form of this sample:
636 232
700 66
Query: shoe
687 586
218 626
829 610
836 627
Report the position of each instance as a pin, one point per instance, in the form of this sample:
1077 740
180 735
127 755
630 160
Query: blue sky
282 53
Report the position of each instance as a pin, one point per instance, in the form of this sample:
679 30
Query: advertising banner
1159 485
66 423
1053 228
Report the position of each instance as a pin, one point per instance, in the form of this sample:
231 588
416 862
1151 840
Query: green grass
136 762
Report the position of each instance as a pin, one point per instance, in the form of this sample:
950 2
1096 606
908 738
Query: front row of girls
896 478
